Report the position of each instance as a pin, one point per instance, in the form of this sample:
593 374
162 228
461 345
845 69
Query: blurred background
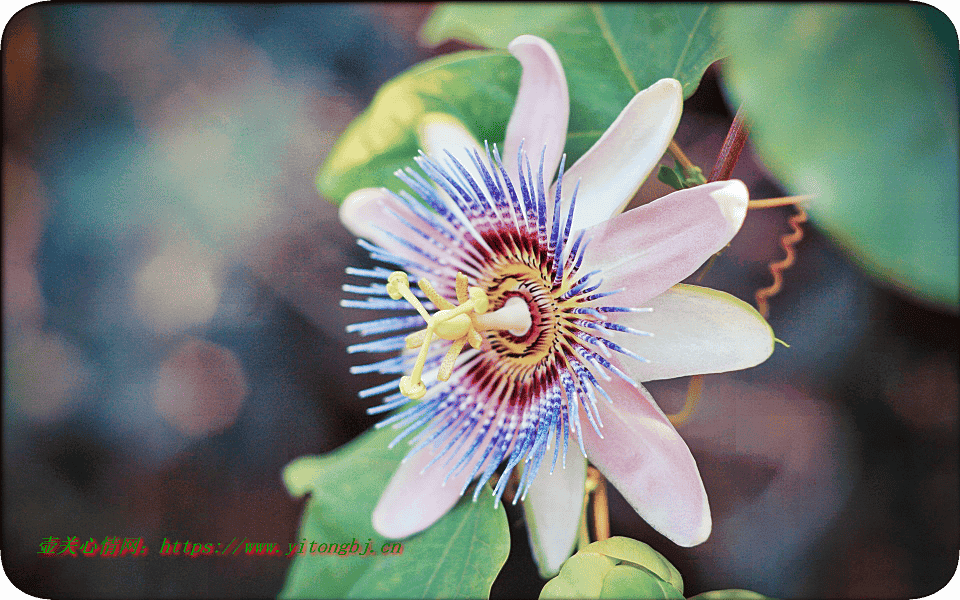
172 335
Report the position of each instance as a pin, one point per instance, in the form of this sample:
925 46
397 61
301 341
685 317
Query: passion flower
566 306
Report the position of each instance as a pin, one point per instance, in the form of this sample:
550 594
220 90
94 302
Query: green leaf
477 87
458 557
693 178
679 178
670 177
857 104
609 51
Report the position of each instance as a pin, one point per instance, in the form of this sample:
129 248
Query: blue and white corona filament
540 309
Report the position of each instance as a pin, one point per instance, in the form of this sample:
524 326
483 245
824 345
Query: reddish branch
726 160
732 147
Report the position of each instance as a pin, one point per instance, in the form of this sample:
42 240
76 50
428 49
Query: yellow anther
415 339
438 300
451 322
458 324
462 284
446 367
412 390
397 280
473 336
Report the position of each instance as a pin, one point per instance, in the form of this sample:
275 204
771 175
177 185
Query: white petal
542 109
413 500
695 331
613 169
649 463
552 509
439 133
361 210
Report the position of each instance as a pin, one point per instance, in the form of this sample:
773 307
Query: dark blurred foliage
172 334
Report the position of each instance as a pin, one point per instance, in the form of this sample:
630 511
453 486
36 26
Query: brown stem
773 202
595 487
601 513
583 534
732 147
680 157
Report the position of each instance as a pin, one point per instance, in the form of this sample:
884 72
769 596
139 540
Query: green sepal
670 177
679 178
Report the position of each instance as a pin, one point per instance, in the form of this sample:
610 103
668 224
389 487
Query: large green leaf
858 105
457 557
477 87
609 53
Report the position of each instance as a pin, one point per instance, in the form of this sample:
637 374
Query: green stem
680 157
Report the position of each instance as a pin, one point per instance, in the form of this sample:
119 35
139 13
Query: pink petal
362 210
552 509
613 169
647 250
367 214
695 331
645 458
413 501
541 110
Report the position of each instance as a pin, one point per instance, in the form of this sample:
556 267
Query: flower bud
617 567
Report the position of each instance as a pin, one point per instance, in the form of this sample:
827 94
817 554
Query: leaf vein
443 557
686 47
614 46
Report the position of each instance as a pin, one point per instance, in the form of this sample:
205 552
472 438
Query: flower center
523 287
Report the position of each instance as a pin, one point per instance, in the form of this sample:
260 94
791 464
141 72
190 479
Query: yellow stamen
458 324
398 286
438 300
446 367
